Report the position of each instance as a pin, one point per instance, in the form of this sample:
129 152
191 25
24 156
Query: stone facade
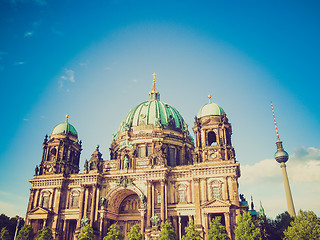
156 172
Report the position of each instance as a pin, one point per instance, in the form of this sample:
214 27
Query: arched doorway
124 204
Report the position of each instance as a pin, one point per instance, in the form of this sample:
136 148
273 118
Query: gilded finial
209 96
154 82
67 117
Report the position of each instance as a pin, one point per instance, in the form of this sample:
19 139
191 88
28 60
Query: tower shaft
287 190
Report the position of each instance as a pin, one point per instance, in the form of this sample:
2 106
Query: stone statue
126 162
103 202
36 171
155 220
86 166
242 198
143 198
85 221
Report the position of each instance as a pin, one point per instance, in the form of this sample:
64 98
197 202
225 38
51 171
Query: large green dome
64 128
210 109
154 113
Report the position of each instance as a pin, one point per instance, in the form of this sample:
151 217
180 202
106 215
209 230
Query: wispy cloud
134 80
303 166
28 34
19 63
68 76
34 27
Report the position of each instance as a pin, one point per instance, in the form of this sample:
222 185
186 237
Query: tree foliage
26 233
86 233
113 233
306 226
217 231
4 235
191 232
45 234
10 224
273 229
134 233
246 228
167 232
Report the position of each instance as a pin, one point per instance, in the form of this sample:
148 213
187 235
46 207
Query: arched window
172 155
212 139
45 199
182 189
216 189
74 199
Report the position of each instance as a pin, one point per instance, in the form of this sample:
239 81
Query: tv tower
282 157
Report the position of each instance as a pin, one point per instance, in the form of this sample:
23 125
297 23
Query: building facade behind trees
156 172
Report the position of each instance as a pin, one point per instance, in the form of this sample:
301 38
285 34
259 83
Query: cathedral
156 172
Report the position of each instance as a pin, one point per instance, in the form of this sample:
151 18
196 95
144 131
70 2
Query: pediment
216 203
39 210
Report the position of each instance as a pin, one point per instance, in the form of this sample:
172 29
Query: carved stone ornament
124 181
85 221
143 198
155 221
103 201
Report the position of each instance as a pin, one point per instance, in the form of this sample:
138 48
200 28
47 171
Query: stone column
85 210
206 225
101 227
64 234
204 188
52 199
152 199
93 207
97 203
235 190
163 201
227 221
226 189
80 207
57 200
196 183
31 199
149 207
179 221
35 201
142 212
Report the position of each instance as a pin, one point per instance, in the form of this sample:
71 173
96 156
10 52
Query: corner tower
61 153
213 134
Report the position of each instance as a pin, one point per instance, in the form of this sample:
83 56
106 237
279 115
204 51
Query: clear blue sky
94 60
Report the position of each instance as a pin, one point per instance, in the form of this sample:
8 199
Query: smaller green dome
210 109
64 128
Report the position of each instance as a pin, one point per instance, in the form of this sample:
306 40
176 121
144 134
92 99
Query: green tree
167 232
86 233
306 226
246 228
274 228
4 235
10 224
45 234
113 233
26 233
134 233
217 231
191 232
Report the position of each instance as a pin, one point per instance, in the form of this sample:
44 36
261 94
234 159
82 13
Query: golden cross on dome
209 96
67 117
154 76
